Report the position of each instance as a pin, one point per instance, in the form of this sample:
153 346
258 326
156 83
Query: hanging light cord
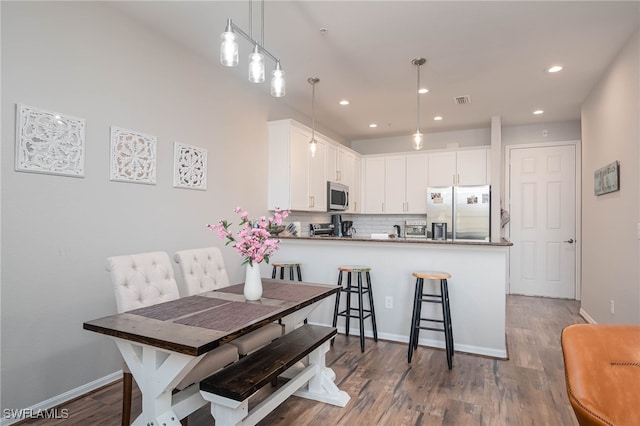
418 100
313 113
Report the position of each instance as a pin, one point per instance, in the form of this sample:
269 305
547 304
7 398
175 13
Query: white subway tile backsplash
365 224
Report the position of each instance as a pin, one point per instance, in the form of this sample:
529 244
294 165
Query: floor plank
527 389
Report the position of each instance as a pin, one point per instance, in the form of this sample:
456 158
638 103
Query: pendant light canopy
418 137
313 144
229 54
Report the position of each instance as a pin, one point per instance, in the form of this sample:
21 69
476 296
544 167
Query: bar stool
443 300
360 290
285 265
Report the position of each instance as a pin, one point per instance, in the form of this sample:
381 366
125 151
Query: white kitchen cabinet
462 167
396 184
374 185
332 162
471 167
416 183
355 192
296 180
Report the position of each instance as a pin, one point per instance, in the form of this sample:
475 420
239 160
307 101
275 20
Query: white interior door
543 221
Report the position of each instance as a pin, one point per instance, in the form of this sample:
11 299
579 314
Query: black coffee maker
347 228
336 221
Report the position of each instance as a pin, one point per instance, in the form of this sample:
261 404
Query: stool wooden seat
432 275
284 265
416 319
360 290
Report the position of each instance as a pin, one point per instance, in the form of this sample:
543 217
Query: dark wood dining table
162 343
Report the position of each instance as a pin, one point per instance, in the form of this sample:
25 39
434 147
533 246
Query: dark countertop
503 243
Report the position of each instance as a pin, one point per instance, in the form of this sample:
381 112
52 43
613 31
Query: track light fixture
229 54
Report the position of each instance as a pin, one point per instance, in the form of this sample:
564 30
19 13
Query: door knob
570 241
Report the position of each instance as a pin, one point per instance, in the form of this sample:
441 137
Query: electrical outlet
612 307
388 302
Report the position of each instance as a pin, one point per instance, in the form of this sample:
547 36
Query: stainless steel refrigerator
466 210
440 209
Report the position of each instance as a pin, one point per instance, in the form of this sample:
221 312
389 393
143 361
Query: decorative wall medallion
133 156
49 142
189 166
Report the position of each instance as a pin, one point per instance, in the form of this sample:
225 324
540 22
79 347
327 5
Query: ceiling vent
461 100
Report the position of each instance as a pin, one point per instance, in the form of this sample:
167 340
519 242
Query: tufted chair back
142 279
202 270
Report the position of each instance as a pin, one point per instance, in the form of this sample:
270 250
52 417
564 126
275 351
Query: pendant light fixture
229 54
418 137
313 144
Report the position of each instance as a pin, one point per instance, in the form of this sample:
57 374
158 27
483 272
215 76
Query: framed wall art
133 156
189 167
607 179
49 142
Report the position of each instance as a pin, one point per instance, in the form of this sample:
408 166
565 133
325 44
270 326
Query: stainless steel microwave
337 196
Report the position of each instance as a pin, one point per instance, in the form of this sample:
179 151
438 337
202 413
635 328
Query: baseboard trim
58 400
473 350
587 317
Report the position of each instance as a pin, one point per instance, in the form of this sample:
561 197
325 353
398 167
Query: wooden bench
229 390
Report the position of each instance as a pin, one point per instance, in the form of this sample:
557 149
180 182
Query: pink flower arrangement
253 241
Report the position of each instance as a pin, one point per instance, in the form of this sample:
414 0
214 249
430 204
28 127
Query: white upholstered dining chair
203 270
146 279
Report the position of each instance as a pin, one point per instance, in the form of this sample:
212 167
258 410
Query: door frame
578 207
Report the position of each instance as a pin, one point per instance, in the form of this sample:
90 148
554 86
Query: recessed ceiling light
423 90
538 112
555 68
373 125
437 118
344 102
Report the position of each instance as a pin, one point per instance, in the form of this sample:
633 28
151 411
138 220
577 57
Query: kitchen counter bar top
503 243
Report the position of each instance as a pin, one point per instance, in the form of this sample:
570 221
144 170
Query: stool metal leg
273 273
448 332
418 313
291 273
282 272
414 319
337 307
373 312
361 311
299 273
348 312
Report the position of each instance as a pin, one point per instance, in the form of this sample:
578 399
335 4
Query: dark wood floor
528 389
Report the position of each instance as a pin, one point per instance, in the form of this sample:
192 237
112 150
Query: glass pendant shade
418 139
228 47
256 66
313 147
277 82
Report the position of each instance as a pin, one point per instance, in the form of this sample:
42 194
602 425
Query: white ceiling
495 52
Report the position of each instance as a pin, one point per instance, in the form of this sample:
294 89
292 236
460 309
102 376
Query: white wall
611 131
558 131
88 60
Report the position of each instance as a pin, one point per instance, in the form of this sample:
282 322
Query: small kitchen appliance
347 228
415 228
321 229
336 221
337 196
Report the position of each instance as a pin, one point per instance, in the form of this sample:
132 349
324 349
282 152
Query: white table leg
321 386
296 319
157 372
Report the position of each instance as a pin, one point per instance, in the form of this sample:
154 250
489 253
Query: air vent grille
461 100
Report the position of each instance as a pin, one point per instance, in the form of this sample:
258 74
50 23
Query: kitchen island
477 287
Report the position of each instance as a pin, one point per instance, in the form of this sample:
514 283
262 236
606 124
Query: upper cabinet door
299 169
374 184
394 184
417 183
442 168
317 178
332 163
471 167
